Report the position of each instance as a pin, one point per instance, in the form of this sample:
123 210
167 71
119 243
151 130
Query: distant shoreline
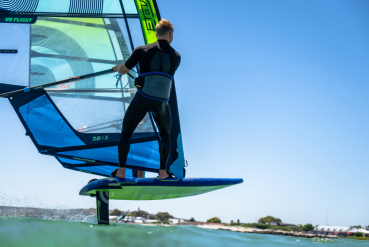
266 231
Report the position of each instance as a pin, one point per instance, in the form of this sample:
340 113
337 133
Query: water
37 232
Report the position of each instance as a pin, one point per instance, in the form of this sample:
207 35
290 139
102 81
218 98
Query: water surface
37 232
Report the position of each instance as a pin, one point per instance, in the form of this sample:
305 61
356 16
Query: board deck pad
154 188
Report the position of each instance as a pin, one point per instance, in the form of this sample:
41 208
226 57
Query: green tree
357 227
269 219
116 212
140 213
153 217
166 222
192 219
308 227
214 220
164 216
259 225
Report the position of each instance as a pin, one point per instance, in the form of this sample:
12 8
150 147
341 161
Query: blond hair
164 27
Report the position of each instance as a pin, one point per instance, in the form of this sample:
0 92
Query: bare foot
121 173
163 174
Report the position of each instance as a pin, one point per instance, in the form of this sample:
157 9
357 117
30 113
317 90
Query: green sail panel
149 19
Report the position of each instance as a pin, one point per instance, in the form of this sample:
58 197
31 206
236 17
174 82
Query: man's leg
163 120
140 174
134 114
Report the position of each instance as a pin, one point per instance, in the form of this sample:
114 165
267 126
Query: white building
340 230
114 218
152 221
139 220
129 219
175 221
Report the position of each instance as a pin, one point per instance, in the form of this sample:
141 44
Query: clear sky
274 92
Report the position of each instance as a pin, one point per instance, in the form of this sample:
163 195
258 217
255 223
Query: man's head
164 30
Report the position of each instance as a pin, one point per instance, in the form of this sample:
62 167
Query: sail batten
91 90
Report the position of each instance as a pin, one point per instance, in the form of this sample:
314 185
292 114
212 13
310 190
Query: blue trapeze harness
156 84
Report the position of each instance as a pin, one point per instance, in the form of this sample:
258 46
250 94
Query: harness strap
157 73
151 98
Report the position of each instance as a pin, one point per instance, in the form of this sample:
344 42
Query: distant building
175 221
152 221
130 219
139 220
340 230
286 224
191 223
114 218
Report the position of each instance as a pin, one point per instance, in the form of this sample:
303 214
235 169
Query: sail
79 123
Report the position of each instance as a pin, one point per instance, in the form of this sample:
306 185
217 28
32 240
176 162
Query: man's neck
164 38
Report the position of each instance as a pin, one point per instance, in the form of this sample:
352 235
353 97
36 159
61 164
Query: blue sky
274 92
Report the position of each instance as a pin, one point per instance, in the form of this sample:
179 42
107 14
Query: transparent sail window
14 67
122 24
130 7
136 32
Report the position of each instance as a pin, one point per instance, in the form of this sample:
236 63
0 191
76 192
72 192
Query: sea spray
34 207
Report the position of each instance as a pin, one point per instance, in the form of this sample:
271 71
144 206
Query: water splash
34 207
321 240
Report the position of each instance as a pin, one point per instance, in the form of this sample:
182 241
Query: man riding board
158 62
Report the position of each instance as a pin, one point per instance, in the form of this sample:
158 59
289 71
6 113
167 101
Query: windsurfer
158 56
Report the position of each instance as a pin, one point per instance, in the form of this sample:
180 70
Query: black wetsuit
140 105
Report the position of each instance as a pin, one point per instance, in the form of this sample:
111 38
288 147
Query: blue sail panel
145 155
46 124
71 162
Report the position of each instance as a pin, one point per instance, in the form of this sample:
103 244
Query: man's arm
130 63
121 69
